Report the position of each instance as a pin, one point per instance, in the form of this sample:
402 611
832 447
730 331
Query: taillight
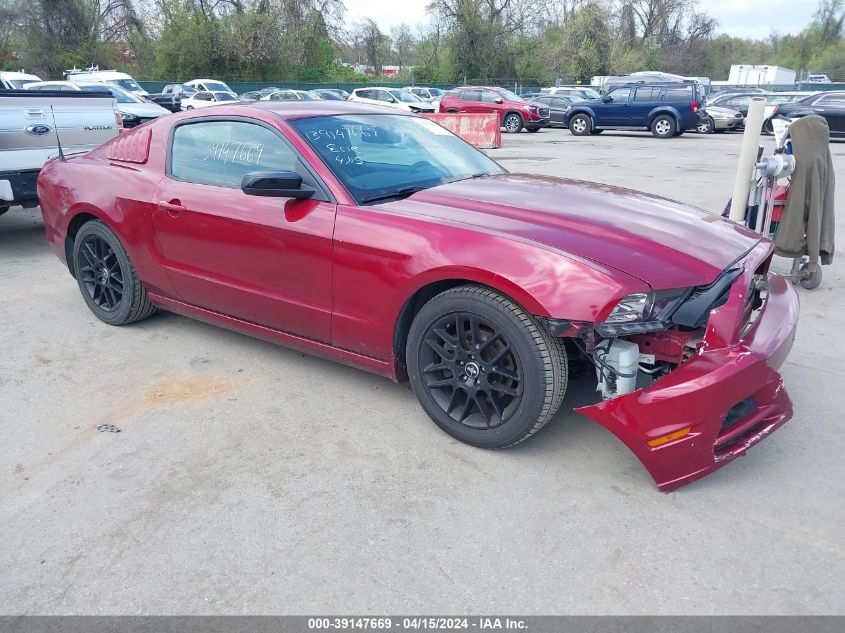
694 105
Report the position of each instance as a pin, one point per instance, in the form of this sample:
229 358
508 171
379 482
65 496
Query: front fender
579 110
378 271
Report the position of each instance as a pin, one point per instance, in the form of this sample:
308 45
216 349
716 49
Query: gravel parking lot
249 478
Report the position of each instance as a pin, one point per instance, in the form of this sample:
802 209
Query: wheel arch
516 112
582 110
429 288
78 217
664 110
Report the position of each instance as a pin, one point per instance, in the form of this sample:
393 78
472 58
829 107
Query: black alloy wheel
471 370
108 281
101 275
485 370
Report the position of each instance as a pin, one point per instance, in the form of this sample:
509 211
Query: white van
94 73
16 81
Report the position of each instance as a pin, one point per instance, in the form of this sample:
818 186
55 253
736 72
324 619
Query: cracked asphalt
248 478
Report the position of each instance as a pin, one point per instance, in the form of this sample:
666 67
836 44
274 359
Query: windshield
383 155
507 95
225 96
306 96
121 96
20 83
127 84
589 93
435 92
406 97
216 86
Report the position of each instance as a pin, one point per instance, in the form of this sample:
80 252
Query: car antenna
58 140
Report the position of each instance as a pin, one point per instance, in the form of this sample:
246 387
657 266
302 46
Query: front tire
106 277
664 126
580 125
484 369
706 126
512 123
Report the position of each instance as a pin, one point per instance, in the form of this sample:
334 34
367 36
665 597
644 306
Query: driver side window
221 153
488 96
620 95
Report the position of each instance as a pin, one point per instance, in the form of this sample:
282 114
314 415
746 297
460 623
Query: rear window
678 94
647 94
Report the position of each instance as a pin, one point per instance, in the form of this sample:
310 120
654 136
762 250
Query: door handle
173 208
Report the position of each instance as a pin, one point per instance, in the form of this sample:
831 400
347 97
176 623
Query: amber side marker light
665 439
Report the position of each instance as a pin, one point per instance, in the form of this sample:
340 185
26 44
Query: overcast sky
743 18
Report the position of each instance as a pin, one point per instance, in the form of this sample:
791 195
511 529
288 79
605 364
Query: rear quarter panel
119 194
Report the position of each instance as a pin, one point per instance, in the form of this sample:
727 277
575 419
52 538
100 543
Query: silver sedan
718 119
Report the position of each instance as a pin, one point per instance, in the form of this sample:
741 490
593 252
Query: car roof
113 74
302 109
9 74
55 82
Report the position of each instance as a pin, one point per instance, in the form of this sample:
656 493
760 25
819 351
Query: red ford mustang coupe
381 240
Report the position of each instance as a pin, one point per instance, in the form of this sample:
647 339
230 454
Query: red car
514 112
381 240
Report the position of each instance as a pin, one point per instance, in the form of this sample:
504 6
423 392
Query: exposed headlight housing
128 116
642 312
632 308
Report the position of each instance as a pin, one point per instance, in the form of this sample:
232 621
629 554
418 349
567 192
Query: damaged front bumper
718 403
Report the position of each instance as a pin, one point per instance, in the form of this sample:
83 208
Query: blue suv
667 109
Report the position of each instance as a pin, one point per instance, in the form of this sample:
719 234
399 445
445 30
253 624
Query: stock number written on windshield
341 148
349 132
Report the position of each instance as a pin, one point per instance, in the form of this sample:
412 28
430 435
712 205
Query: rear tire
580 125
664 126
106 277
512 123
487 372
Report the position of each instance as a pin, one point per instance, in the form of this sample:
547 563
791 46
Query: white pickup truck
29 122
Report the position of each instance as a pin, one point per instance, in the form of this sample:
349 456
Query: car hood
722 110
664 243
144 110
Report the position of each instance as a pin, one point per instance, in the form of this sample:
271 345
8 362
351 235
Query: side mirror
276 184
499 100
606 99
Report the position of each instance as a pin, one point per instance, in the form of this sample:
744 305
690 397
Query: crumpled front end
723 399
